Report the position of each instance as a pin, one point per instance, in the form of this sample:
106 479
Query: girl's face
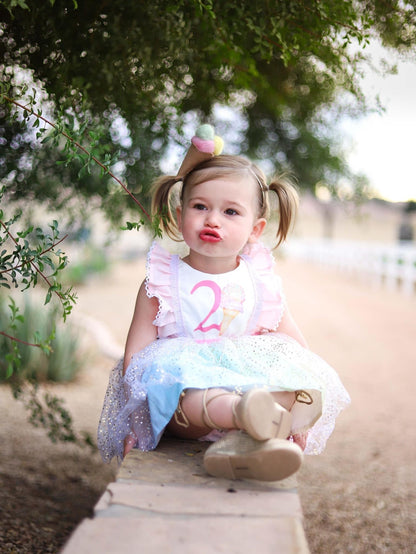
216 220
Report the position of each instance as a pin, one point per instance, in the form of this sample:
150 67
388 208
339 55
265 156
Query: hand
129 443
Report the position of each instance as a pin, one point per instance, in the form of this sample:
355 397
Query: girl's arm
288 326
142 331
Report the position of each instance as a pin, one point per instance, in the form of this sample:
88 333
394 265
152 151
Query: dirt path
359 496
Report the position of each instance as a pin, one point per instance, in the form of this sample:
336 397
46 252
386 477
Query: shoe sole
272 460
262 417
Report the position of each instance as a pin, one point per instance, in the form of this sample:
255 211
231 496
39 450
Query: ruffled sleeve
158 284
269 286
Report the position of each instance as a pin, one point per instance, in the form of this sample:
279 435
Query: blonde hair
222 167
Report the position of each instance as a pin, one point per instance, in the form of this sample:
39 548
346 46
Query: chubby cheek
187 224
186 221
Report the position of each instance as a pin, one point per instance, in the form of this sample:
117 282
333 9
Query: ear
179 217
258 229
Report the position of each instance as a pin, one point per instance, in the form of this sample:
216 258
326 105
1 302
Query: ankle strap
180 413
206 419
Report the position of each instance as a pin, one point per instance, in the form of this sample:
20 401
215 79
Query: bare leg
220 412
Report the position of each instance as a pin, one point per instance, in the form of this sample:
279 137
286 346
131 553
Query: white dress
216 331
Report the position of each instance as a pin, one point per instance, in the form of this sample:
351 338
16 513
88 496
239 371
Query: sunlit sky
384 145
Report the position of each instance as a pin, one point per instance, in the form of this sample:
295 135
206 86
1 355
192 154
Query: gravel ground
359 496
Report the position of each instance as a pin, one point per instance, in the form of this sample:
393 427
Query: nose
212 219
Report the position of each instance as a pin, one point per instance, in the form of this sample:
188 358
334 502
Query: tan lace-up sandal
261 417
239 456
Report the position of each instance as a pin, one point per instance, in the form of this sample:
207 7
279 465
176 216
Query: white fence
390 265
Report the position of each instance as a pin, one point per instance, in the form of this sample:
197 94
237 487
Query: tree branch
19 340
83 149
29 261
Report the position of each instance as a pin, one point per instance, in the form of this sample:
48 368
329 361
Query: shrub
61 364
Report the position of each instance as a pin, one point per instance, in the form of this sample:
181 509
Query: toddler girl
213 352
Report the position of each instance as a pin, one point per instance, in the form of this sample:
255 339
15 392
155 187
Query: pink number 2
217 300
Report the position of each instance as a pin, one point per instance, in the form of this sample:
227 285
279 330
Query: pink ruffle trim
263 263
158 284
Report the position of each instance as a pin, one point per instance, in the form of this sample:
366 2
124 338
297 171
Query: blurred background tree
140 75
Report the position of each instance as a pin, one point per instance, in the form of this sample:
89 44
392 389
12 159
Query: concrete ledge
197 501
210 535
163 501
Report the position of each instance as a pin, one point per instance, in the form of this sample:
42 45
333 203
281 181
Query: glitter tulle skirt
145 399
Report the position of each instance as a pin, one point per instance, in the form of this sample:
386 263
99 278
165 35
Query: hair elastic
263 186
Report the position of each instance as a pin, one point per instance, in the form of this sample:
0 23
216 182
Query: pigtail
288 199
162 206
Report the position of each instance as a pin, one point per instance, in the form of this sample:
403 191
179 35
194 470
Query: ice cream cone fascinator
204 145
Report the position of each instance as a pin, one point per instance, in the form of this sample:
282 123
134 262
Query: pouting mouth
209 235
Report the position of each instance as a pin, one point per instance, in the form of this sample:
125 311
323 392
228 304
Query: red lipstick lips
209 235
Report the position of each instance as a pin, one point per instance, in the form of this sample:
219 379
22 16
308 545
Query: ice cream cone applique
204 145
232 300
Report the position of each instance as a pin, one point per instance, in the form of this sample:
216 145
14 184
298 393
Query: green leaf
131 225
